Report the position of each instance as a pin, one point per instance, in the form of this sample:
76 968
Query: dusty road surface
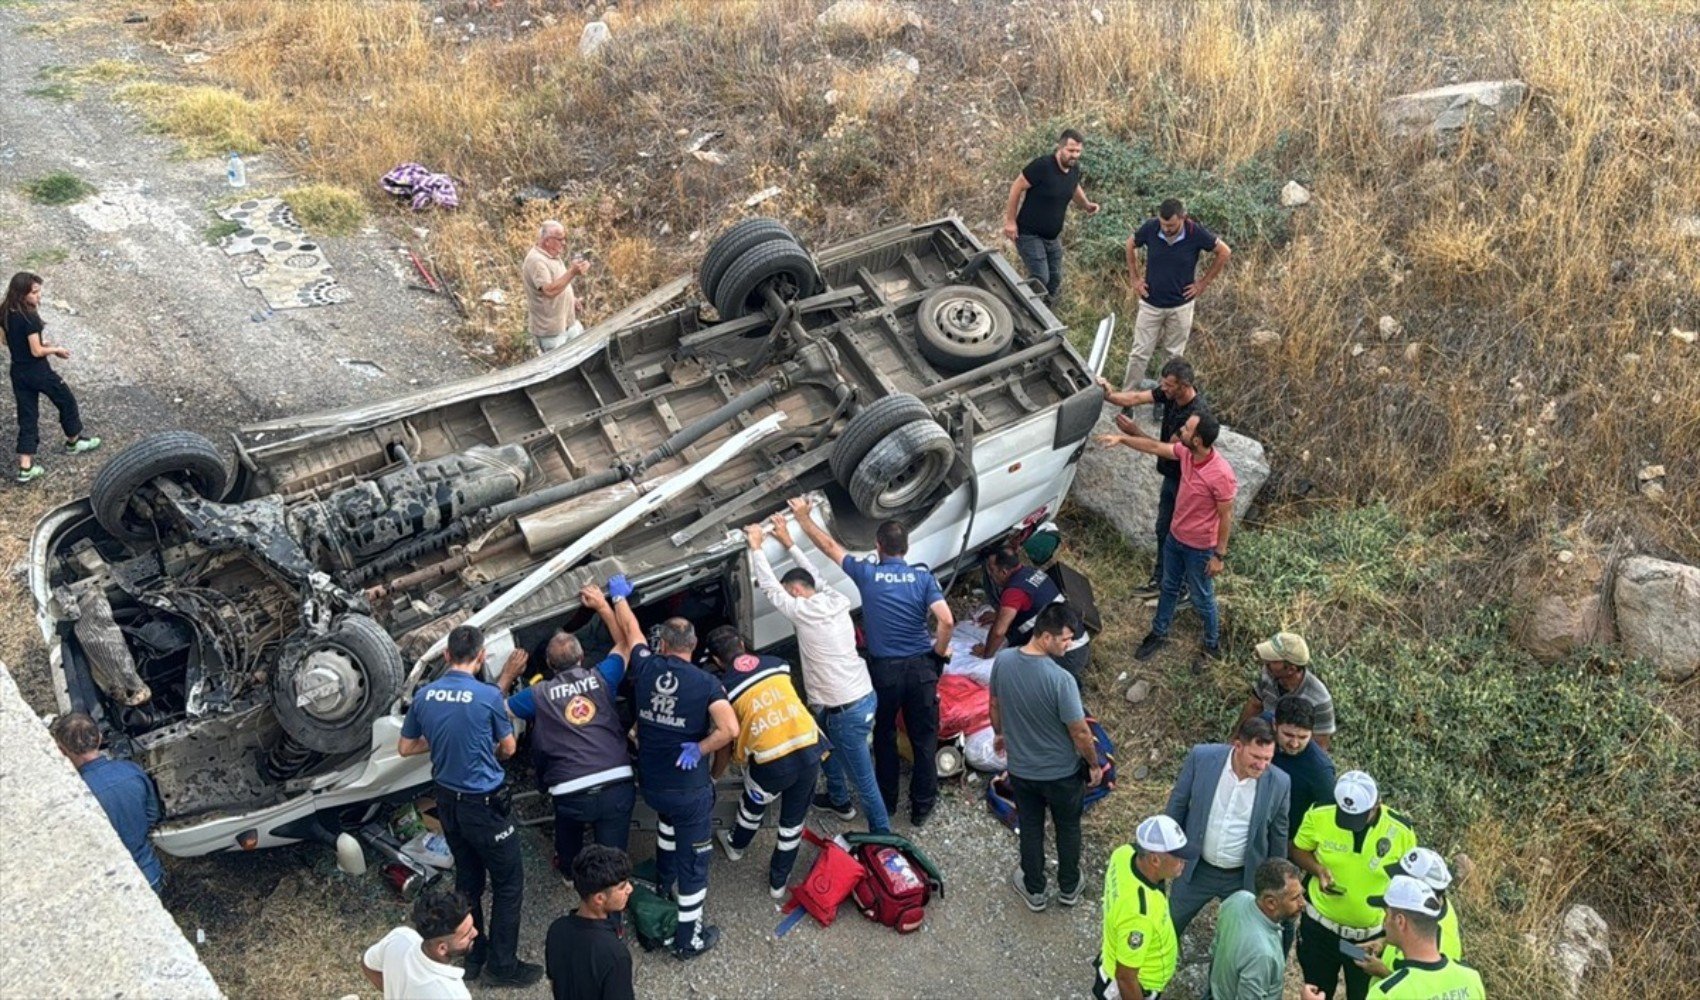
162 336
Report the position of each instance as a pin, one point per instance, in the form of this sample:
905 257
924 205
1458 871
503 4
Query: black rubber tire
903 471
381 672
184 456
739 292
868 427
957 347
734 243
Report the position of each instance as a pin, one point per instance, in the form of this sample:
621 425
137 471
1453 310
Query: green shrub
58 188
326 210
1130 178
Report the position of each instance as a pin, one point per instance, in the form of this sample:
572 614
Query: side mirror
350 856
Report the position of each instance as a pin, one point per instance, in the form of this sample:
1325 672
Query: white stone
1686 336
1358 349
1264 338
1389 327
1582 950
1122 485
1445 110
1097 16
1658 614
867 19
494 296
1651 472
1687 227
1294 195
904 61
1140 691
594 36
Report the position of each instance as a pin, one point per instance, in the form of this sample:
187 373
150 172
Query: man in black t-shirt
1038 200
1178 400
585 958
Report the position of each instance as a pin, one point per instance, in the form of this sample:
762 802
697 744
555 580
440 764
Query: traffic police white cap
1356 795
1409 894
1161 835
1425 865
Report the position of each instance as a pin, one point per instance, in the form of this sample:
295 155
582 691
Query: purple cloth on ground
411 180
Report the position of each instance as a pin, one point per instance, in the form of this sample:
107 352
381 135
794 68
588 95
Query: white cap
1409 894
1160 834
1355 793
1425 865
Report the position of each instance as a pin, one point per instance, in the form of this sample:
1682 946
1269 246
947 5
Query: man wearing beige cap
1286 670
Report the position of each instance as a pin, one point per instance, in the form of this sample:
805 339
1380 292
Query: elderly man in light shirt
1231 802
551 305
835 678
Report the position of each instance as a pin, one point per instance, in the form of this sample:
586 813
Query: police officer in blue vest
683 716
578 745
462 722
904 658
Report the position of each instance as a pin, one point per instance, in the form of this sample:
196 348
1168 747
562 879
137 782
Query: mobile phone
1333 890
1352 951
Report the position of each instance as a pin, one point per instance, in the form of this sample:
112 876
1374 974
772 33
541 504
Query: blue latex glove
619 588
690 755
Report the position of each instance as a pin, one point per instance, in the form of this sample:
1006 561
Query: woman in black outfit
33 377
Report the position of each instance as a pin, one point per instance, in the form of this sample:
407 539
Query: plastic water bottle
236 172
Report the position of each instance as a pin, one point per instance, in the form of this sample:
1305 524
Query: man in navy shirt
1169 284
462 722
903 657
578 745
123 789
1308 767
683 716
1038 200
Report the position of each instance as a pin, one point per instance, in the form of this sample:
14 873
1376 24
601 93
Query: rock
1264 338
594 36
1444 111
866 20
1658 614
1358 349
1294 195
1097 17
1413 351
710 156
1122 485
831 97
900 59
1582 950
760 196
494 296
1651 472
1687 227
1140 691
1555 626
1189 981
1389 327
1686 336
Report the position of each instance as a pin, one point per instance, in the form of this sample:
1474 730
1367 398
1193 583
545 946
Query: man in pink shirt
1197 545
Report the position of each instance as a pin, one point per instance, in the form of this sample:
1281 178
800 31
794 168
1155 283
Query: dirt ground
162 336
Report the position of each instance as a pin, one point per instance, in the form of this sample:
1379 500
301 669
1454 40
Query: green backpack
653 916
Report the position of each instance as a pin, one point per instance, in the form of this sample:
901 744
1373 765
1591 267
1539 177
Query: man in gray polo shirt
1286 671
1040 725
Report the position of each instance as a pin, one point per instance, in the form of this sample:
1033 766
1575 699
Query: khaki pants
1154 328
547 344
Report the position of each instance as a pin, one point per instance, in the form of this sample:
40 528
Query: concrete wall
82 920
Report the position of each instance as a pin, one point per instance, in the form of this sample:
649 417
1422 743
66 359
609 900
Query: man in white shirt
551 305
412 963
835 678
1234 805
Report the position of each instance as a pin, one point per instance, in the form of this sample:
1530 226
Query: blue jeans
1183 562
684 827
1043 259
1165 514
851 762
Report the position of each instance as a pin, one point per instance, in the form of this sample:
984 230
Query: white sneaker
779 893
732 853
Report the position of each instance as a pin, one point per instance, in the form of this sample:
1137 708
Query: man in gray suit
1229 800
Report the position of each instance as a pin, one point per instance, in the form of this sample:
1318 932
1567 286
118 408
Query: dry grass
210 121
326 209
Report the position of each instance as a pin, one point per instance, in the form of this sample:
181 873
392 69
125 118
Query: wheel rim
964 321
330 685
913 481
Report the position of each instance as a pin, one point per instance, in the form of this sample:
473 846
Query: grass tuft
59 90
218 229
58 188
210 121
37 260
326 210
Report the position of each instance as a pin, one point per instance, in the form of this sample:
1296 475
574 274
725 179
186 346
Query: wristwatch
1220 555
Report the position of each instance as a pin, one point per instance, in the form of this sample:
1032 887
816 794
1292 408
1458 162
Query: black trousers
28 389
909 685
1165 516
485 844
1322 963
607 811
1062 798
